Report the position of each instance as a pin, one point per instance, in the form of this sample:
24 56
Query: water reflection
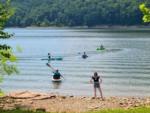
56 85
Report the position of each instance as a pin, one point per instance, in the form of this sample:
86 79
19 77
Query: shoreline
51 102
86 27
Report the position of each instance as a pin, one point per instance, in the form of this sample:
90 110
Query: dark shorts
96 85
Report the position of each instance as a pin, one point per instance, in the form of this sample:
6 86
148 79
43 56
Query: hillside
75 12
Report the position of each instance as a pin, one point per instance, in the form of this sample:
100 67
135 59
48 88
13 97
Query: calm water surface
124 68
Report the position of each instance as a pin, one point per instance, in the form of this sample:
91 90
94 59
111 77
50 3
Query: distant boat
101 48
109 50
84 56
53 58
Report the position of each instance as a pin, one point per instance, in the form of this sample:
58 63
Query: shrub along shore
134 110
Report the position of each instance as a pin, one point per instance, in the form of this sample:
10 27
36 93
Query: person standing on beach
96 80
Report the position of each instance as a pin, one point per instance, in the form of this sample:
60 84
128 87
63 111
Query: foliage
6 53
75 12
133 110
5 13
146 12
18 111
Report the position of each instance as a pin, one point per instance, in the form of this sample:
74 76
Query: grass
18 111
134 110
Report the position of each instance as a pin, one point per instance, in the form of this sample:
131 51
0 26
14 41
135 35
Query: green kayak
100 49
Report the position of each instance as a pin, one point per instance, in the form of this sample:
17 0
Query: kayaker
84 55
102 47
49 57
56 72
96 80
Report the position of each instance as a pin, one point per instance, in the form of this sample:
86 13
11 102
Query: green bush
133 110
18 111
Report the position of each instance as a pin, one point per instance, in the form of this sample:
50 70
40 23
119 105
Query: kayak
108 50
57 58
84 56
100 49
56 80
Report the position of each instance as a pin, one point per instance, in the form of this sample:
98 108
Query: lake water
124 68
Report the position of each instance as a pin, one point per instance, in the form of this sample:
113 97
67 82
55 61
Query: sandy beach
58 103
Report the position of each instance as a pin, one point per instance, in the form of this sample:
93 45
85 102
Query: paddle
50 66
53 69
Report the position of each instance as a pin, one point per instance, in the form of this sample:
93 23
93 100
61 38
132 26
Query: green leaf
146 12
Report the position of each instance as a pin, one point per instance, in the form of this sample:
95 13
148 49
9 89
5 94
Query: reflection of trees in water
56 85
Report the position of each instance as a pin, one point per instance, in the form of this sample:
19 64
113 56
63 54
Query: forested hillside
75 12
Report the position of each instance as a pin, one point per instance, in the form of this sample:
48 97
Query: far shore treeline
76 13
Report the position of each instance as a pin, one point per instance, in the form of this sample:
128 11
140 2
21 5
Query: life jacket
56 75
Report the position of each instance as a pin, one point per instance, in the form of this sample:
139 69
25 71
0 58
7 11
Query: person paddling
84 55
102 47
49 57
56 72
96 80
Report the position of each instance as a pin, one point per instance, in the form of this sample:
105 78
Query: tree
6 52
75 12
146 11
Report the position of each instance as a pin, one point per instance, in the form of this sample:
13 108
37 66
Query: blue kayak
53 58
